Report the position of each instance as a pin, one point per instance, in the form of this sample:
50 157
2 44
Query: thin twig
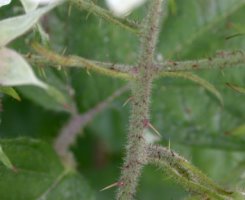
74 126
107 15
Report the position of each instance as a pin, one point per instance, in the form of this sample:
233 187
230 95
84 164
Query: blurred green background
188 116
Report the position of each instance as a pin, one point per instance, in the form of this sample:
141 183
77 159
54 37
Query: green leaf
192 77
10 91
13 27
238 131
68 186
39 174
200 27
5 160
189 116
56 97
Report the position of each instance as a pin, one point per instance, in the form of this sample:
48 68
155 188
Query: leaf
4 2
5 160
69 186
55 97
29 5
236 88
14 70
172 7
13 27
200 27
39 174
190 76
238 131
10 91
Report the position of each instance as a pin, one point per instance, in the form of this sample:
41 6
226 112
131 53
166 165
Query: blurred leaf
29 5
36 123
41 172
236 176
51 98
5 160
236 88
10 91
70 187
4 2
189 116
173 7
16 71
238 131
200 27
192 77
13 27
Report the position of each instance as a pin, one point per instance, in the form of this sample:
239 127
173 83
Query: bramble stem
220 61
114 70
140 77
184 173
141 91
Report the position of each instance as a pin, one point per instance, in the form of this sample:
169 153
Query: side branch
115 70
75 125
220 61
105 14
186 174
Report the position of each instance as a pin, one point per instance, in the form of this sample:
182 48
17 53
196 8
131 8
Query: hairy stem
184 173
139 120
136 156
105 14
150 31
220 61
115 70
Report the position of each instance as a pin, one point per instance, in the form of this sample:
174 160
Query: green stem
184 173
150 31
220 61
141 93
105 14
136 156
115 70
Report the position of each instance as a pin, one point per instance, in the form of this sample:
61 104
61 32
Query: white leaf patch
4 2
30 5
123 7
14 70
13 27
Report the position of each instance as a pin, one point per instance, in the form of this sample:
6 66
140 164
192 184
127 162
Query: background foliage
194 122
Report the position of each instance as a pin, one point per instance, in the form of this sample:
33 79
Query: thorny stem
184 173
138 153
105 14
220 61
76 61
139 120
